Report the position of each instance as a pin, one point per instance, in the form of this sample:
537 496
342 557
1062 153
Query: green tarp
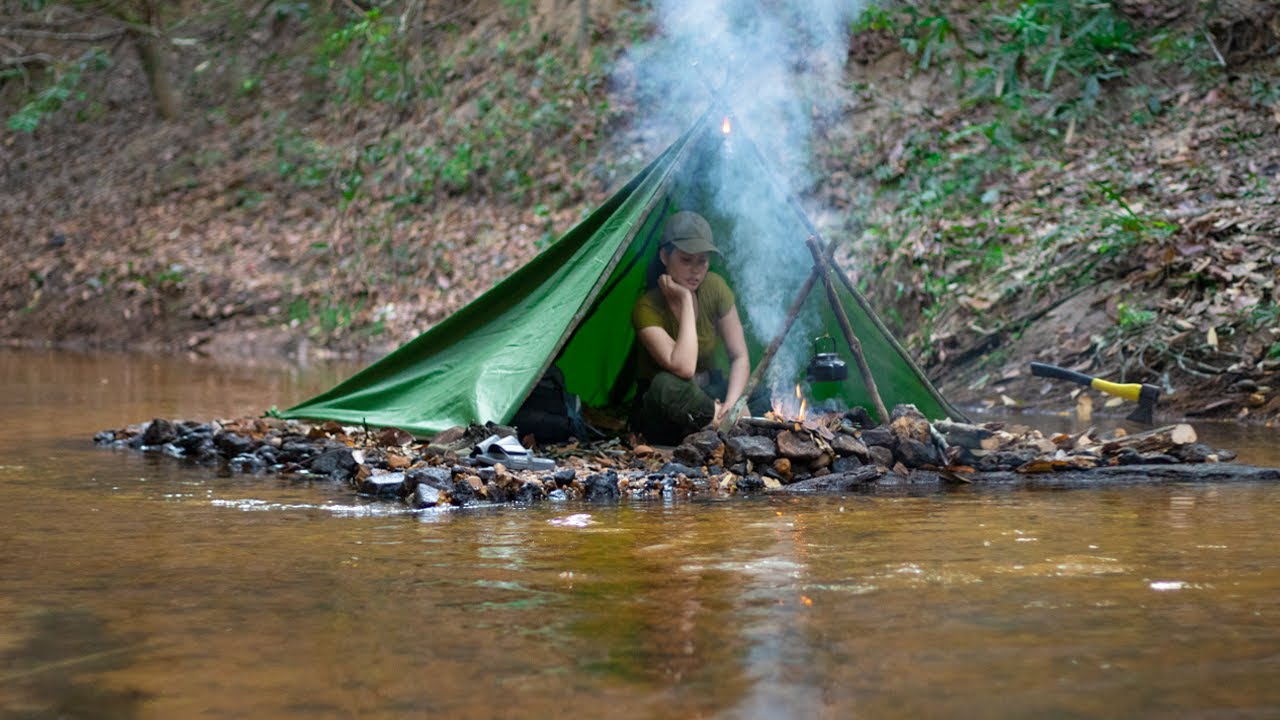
572 303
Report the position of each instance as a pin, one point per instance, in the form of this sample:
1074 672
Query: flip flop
508 451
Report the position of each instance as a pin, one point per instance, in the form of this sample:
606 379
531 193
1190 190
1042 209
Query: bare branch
27 60
68 36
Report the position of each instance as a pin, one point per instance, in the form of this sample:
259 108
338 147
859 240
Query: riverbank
831 454
1128 234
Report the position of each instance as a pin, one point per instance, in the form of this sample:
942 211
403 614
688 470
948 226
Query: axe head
1145 412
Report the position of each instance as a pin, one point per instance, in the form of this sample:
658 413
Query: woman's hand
674 292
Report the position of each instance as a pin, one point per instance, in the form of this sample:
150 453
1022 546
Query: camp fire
787 408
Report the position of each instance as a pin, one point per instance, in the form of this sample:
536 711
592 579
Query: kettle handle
824 337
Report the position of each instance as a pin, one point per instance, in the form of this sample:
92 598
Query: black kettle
826 366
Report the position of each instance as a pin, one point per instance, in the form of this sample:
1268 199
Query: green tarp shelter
571 306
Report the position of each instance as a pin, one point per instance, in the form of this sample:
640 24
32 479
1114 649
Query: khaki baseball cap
689 232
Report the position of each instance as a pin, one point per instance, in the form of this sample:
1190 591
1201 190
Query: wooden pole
822 266
731 416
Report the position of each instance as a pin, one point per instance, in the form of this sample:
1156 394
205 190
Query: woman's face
687 269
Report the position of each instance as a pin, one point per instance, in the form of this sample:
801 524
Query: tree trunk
167 100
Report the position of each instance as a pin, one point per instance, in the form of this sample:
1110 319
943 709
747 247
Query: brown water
131 586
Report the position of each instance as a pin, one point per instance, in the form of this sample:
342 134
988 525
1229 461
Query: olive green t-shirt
713 300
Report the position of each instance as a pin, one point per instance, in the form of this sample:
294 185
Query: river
135 587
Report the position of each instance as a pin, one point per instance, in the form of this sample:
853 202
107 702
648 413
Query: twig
1214 46
68 36
855 345
23 60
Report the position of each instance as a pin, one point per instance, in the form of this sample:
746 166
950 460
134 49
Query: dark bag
550 413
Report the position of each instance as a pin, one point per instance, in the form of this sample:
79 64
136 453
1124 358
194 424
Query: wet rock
106 437
881 455
487 474
530 492
159 431
564 476
750 484
247 463
431 476
266 453
337 463
799 447
1194 453
782 468
297 451
755 448
1159 458
846 463
425 496
194 439
601 487
558 495
463 492
230 444
674 468
916 454
383 484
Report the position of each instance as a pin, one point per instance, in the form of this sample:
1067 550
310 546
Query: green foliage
1128 318
367 61
65 87
1124 229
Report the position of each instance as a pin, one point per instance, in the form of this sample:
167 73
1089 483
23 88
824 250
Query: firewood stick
822 266
731 416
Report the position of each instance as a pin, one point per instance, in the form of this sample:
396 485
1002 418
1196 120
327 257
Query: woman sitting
681 321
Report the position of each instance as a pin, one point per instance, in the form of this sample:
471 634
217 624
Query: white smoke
777 65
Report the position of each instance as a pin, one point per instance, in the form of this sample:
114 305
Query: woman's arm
678 355
735 344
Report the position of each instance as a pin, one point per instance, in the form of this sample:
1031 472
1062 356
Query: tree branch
68 36
26 60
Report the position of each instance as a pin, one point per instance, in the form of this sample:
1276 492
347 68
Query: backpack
551 414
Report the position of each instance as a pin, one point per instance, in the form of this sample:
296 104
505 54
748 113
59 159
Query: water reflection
133 586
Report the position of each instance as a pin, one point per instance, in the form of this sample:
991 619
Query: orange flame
726 127
784 408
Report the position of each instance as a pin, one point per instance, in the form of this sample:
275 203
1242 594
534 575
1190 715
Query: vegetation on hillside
1088 183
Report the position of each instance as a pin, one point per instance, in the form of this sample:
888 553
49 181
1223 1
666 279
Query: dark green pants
670 408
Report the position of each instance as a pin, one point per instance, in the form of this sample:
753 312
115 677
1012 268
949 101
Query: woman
687 314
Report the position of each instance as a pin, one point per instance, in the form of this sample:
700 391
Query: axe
1143 394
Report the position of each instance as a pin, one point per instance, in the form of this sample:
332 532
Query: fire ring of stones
831 453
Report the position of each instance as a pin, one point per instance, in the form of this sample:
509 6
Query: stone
845 444
707 442
910 427
1194 453
881 455
755 448
687 454
230 444
601 487
298 451
846 463
750 484
431 476
860 418
798 446
464 491
337 463
425 496
564 476
673 468
247 463
879 436
159 431
915 454
383 484
782 466
906 410
529 492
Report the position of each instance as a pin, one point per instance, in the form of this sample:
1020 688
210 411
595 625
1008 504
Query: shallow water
132 586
